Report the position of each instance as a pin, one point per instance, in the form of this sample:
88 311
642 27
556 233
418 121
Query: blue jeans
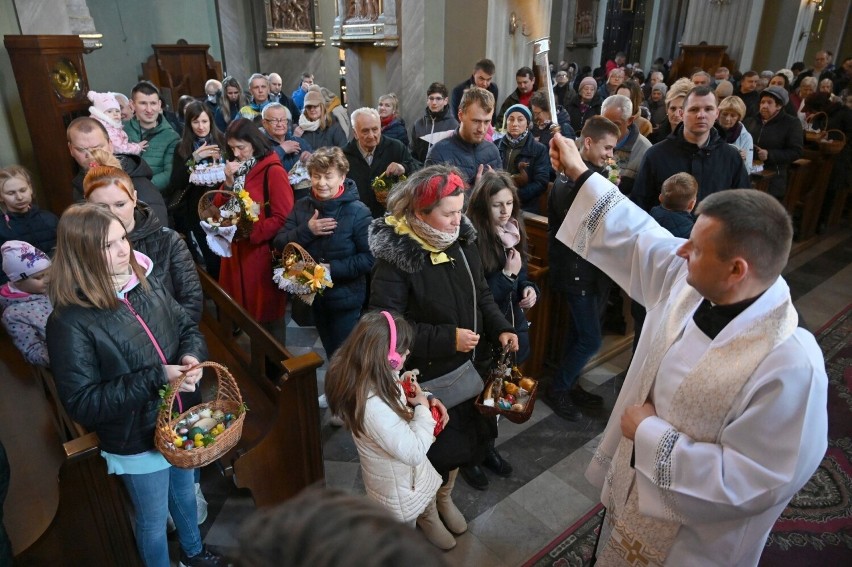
582 340
154 495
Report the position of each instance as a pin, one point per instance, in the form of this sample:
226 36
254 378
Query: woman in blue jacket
331 224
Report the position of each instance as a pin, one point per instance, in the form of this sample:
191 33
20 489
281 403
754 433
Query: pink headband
434 192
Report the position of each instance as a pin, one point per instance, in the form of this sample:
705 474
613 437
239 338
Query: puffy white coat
396 472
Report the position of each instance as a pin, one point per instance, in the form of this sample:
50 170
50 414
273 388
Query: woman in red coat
247 274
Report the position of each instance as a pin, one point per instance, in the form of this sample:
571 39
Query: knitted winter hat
22 260
660 87
103 101
519 108
588 81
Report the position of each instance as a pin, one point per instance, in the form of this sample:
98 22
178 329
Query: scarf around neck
387 121
308 125
433 237
403 228
510 234
517 142
242 172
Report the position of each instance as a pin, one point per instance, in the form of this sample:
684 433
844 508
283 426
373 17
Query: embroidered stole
699 407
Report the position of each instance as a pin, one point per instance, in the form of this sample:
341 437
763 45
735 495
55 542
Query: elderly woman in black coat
428 268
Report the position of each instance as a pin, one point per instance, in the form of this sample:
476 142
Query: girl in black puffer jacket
117 338
331 224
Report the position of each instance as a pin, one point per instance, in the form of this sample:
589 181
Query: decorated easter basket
299 274
212 203
228 402
505 379
383 185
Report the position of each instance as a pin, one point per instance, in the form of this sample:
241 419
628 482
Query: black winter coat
569 273
36 226
537 158
716 166
331 136
465 156
507 295
387 151
345 251
140 173
430 124
436 298
784 141
396 130
544 135
578 116
111 372
173 267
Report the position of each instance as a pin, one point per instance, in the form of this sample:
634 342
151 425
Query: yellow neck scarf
402 228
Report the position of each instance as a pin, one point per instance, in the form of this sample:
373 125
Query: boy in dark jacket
677 199
582 286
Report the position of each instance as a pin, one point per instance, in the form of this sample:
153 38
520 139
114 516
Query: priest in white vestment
722 417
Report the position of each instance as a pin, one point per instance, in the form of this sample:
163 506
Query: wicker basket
294 248
830 146
382 186
812 135
210 203
228 399
515 416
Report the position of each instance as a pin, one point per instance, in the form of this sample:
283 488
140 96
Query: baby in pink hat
106 110
24 300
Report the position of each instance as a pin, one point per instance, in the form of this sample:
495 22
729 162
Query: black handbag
464 382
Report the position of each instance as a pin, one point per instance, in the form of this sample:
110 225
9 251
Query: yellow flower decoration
316 280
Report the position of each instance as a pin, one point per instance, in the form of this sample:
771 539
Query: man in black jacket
583 287
437 119
370 155
85 134
778 137
695 148
483 75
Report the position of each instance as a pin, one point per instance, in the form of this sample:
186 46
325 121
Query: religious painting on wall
292 21
585 23
366 21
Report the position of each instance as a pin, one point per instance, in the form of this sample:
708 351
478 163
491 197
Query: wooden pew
92 522
280 452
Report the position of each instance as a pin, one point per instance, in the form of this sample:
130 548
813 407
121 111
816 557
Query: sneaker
206 558
323 402
562 406
200 505
585 399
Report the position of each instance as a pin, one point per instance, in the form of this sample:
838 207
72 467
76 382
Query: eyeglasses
436 98
277 120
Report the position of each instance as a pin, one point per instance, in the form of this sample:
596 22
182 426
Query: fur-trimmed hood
404 252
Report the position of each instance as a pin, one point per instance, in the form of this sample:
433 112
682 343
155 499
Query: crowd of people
430 273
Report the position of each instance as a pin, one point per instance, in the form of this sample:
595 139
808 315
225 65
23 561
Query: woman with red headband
428 268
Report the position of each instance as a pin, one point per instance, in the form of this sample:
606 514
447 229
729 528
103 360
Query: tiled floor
516 516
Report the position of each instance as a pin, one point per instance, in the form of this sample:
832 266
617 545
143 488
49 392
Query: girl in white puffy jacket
393 433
